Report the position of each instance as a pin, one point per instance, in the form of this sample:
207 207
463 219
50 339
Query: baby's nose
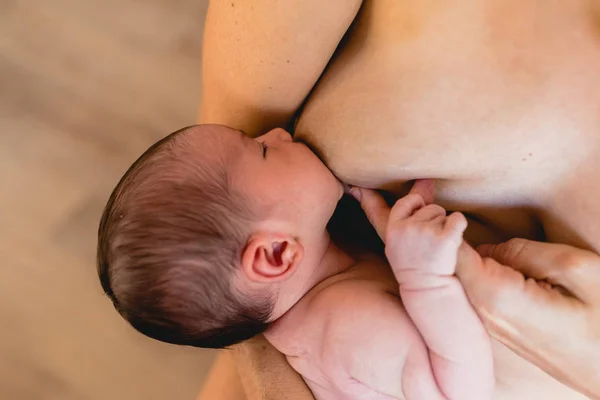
284 135
276 135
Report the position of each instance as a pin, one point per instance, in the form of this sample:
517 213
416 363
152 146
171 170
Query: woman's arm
223 381
261 58
265 373
253 370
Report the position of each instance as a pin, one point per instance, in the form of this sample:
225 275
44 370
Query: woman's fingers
515 310
502 293
573 269
541 324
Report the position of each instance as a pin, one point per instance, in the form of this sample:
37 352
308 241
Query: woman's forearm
266 374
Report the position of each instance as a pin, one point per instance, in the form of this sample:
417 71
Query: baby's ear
270 258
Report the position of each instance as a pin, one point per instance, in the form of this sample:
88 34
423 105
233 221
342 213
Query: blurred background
85 87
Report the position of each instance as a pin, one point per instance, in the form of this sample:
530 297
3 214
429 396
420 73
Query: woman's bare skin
497 101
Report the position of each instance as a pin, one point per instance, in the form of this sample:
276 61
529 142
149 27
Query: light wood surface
85 87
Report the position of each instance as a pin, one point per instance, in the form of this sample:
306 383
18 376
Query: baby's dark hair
169 247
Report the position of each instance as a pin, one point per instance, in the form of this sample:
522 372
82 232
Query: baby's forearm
441 311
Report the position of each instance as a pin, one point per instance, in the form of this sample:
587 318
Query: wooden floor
85 87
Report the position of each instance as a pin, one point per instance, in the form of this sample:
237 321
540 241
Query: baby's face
290 178
286 177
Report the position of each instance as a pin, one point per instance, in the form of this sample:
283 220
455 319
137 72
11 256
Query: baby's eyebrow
244 136
247 140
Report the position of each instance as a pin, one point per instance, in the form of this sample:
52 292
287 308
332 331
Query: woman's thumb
506 301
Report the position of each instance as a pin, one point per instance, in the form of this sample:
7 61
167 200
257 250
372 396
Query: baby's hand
416 232
421 239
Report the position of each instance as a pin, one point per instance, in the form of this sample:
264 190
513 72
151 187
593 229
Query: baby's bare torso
334 338
497 100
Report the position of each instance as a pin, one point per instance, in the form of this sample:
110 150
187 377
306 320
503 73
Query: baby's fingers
422 194
406 206
455 225
375 208
429 213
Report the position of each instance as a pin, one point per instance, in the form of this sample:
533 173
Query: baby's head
210 235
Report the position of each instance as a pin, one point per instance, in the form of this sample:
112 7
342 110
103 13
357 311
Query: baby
212 237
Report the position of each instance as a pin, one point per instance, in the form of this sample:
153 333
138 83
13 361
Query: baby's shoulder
334 306
367 275
354 292
359 319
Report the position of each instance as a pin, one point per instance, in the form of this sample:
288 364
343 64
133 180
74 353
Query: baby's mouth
347 188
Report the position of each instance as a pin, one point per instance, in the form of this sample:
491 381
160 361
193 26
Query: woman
495 100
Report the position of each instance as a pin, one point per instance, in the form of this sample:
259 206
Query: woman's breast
496 100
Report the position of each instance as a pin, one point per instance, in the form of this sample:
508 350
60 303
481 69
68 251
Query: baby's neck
324 261
334 262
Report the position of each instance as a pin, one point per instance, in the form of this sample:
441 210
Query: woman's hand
542 301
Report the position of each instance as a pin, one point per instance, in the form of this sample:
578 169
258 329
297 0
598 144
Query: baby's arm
422 247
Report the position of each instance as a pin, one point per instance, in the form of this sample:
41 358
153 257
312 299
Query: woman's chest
500 111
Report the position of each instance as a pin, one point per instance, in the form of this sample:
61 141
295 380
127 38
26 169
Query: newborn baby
212 237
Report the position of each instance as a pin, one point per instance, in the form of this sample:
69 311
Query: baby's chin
339 189
337 186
